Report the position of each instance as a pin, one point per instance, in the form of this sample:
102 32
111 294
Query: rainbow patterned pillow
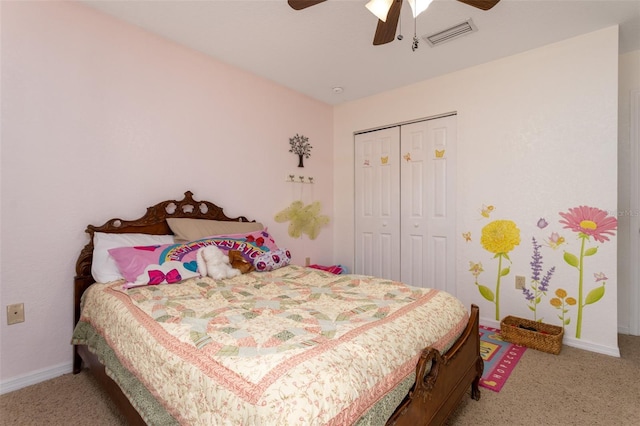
172 263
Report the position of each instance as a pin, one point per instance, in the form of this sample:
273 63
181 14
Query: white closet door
427 218
377 203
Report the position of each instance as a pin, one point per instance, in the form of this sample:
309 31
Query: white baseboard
623 329
569 341
35 377
593 347
490 323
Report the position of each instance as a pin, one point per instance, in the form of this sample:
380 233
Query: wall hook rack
300 179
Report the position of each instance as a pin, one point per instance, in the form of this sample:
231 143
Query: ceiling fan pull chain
400 36
414 46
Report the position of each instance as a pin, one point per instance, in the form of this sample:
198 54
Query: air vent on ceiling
449 34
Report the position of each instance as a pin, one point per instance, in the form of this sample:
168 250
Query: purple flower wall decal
538 286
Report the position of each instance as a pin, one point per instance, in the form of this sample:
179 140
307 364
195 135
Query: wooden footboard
437 393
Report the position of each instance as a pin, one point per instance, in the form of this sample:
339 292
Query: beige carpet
574 388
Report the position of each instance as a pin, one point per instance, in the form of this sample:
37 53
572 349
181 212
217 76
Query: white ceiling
330 44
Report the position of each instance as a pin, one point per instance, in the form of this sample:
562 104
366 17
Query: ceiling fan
390 13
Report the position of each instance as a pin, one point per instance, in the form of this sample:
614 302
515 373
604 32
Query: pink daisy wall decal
590 221
587 222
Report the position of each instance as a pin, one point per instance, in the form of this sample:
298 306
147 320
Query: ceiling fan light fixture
419 6
380 8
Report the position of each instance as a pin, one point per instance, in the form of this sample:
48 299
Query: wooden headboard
153 222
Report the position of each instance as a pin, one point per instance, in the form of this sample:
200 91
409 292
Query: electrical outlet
307 261
15 313
520 282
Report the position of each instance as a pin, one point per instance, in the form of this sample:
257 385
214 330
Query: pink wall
101 119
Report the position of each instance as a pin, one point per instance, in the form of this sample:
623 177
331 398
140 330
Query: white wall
102 120
629 80
537 135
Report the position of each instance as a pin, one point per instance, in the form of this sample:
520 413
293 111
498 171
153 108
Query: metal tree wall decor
301 147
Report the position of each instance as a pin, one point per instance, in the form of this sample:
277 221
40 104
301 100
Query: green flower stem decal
587 222
499 237
500 274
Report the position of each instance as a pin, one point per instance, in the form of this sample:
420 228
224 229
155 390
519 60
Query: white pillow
103 266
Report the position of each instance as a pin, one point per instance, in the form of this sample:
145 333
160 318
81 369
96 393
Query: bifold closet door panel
414 173
377 203
405 222
427 194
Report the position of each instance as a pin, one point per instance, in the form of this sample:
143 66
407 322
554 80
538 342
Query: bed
285 345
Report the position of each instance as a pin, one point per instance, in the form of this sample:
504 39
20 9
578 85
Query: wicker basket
546 338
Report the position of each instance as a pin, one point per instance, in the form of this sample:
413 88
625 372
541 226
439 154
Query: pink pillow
171 263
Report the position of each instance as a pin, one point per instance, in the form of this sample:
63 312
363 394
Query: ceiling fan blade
386 31
481 4
303 4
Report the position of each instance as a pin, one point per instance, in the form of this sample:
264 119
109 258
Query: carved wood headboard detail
153 222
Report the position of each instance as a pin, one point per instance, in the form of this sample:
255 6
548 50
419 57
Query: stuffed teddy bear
239 262
214 263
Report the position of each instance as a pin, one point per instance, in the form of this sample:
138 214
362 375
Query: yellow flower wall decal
562 303
498 237
303 219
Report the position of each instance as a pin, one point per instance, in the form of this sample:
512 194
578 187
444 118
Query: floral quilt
292 346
